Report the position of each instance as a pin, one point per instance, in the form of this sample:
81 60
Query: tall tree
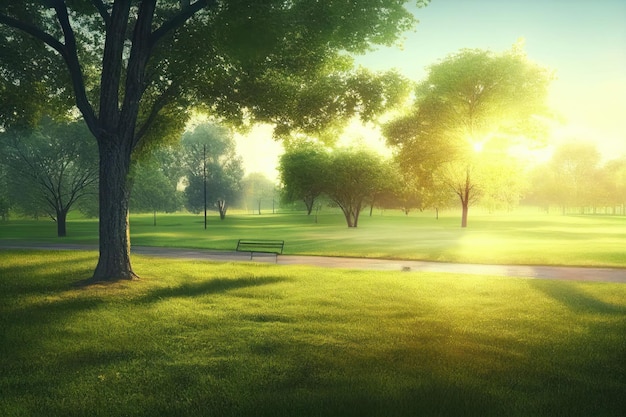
50 168
133 68
470 103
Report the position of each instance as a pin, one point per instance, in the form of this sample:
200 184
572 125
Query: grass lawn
518 238
205 339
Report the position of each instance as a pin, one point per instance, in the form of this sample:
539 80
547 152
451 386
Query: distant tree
409 196
153 190
387 191
256 188
50 168
505 183
5 200
615 171
570 178
353 177
575 163
210 159
474 102
302 171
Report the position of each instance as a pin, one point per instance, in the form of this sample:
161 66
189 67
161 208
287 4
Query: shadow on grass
589 358
576 300
35 272
213 286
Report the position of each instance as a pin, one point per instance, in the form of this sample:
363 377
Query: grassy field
204 339
517 238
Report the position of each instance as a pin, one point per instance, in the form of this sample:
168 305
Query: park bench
261 246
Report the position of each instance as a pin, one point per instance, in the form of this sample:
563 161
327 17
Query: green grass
210 339
516 238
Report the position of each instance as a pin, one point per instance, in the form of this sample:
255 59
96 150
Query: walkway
540 272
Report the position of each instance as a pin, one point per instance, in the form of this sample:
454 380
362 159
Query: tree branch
103 11
112 65
135 73
158 105
67 51
187 11
33 31
70 55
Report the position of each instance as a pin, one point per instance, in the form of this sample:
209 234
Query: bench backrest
267 246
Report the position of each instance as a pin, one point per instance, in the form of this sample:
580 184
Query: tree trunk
465 199
308 202
61 223
154 218
348 215
464 215
221 206
114 261
349 219
352 215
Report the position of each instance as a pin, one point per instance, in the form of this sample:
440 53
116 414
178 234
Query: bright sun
478 146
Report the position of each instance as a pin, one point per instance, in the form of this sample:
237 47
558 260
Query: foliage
134 69
5 200
303 168
154 185
354 177
388 191
615 174
50 168
256 188
575 178
33 81
212 164
472 102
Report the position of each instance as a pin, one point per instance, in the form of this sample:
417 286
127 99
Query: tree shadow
213 286
574 298
21 279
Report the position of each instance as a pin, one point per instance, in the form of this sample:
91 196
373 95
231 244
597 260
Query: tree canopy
212 168
351 178
256 189
576 178
302 172
133 69
155 180
468 111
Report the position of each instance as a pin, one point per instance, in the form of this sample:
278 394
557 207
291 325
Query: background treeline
53 168
49 170
577 180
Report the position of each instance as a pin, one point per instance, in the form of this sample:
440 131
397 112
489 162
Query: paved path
540 272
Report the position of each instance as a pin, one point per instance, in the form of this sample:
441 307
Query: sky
583 41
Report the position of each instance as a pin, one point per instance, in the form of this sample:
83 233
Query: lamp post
204 179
